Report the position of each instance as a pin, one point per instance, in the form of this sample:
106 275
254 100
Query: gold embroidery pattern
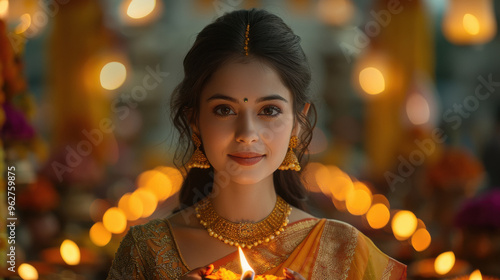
388 270
148 252
338 240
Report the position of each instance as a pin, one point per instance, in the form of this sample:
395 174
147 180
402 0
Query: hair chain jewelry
247 39
244 234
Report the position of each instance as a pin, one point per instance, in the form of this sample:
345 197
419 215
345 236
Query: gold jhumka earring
198 159
291 162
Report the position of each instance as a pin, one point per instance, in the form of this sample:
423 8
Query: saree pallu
316 248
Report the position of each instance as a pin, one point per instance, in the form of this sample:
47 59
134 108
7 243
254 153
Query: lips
246 158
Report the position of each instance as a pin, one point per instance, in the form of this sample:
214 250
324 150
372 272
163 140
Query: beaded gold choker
244 234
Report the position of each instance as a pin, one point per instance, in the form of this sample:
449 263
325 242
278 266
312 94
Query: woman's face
245 121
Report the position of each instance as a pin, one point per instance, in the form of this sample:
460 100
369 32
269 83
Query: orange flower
224 274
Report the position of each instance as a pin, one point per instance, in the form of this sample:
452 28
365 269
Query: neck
244 202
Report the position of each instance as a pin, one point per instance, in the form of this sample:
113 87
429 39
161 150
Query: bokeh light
28 272
99 235
471 24
4 8
113 75
24 24
404 224
417 109
341 184
131 206
372 80
324 179
149 202
335 12
421 239
378 216
140 8
70 252
157 182
175 177
97 209
359 199
114 220
444 262
476 275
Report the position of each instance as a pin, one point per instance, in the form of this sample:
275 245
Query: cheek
277 135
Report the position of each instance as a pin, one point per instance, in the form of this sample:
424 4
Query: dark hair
270 41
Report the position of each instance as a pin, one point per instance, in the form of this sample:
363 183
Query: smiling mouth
246 159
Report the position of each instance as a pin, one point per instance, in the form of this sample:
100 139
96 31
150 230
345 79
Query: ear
193 122
296 127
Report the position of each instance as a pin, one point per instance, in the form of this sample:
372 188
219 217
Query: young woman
245 105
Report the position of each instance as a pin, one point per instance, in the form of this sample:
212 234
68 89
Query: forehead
250 79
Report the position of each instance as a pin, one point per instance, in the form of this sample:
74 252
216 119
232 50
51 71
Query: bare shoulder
298 215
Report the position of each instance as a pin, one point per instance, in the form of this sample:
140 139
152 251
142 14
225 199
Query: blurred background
407 146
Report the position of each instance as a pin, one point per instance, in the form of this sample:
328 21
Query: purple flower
480 212
16 126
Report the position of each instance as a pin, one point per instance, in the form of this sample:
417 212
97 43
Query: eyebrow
261 99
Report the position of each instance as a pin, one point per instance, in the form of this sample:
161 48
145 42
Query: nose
246 129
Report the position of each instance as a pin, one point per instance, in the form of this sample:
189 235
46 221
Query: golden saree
316 248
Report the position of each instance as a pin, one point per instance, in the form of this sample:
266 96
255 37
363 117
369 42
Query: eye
223 110
270 111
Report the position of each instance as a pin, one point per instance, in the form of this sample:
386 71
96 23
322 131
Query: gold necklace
244 234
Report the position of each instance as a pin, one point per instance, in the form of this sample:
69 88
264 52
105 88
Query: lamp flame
475 275
248 272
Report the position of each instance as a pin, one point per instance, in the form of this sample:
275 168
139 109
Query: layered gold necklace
244 234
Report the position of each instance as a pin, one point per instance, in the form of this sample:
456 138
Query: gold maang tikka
291 162
247 39
198 159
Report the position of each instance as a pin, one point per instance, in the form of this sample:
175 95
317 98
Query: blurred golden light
476 275
469 22
379 198
309 175
140 8
24 25
131 206
444 262
372 80
113 75
99 235
324 179
335 12
417 109
378 216
97 209
404 224
149 202
421 239
341 184
358 201
175 177
4 8
28 272
114 220
70 252
157 182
